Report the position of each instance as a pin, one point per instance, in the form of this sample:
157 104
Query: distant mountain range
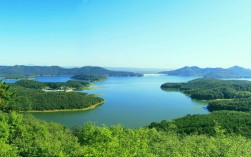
22 71
233 72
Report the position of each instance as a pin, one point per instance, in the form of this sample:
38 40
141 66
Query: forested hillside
29 96
233 72
90 77
22 135
226 94
21 71
232 122
210 89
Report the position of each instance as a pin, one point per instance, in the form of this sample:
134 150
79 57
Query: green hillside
21 71
233 72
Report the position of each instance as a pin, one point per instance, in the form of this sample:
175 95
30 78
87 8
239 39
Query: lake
130 101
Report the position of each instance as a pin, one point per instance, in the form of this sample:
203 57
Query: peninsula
221 94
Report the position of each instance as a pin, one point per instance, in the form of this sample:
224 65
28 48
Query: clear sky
126 33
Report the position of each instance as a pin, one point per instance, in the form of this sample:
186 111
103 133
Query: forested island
52 96
22 71
71 84
223 94
90 77
232 72
217 134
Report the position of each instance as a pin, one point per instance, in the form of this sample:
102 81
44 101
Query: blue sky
126 33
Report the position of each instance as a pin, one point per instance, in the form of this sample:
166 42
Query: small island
90 77
221 94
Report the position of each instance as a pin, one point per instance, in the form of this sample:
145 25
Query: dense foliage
34 99
22 135
20 71
227 94
217 134
232 122
234 104
76 85
210 89
118 141
5 97
89 77
233 72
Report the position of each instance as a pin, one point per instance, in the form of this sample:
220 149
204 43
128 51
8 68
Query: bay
131 101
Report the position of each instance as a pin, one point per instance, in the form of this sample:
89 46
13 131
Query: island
233 72
90 77
221 94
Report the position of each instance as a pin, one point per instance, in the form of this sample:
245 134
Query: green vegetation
21 71
75 85
210 89
5 97
32 99
227 94
23 135
233 72
90 77
232 122
235 105
118 141
26 95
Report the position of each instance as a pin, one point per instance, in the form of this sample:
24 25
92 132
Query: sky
126 33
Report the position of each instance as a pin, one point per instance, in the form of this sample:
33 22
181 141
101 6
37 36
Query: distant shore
69 110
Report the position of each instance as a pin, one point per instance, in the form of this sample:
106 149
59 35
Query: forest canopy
226 94
21 71
224 134
90 77
71 84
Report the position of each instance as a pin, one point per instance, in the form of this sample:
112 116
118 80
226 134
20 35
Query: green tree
5 97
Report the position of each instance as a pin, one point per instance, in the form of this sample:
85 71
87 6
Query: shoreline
68 110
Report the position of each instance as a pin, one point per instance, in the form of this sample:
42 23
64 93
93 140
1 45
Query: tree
5 97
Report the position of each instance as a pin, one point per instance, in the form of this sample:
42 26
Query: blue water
130 101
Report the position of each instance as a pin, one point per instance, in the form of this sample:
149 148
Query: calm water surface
130 101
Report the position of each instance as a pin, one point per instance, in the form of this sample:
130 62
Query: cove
130 101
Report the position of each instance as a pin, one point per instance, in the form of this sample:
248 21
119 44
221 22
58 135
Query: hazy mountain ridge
232 72
20 71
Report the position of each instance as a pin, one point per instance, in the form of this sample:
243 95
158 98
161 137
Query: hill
233 72
232 122
89 77
21 71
